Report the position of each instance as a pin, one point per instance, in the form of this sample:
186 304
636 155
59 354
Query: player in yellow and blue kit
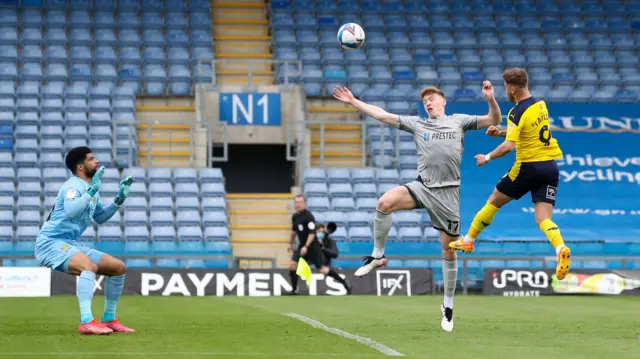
78 202
536 171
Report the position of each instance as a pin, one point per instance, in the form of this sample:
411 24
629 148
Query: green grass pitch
245 327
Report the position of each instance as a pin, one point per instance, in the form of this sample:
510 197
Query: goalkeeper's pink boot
93 328
117 327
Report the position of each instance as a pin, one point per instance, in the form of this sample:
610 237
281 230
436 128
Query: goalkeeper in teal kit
78 202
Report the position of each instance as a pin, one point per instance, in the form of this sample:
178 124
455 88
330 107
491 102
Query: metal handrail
250 63
133 143
305 127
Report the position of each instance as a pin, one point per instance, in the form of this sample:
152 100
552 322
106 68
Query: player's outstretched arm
343 94
494 117
493 131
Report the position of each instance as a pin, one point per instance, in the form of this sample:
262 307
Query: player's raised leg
81 265
481 220
396 199
552 231
116 272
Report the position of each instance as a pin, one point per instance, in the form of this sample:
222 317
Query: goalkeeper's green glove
123 191
96 181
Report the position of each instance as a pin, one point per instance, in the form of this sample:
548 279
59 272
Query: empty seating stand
149 46
574 52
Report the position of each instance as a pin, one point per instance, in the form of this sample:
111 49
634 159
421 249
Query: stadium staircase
169 139
342 142
260 227
241 31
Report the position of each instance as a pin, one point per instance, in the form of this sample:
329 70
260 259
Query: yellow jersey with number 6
528 126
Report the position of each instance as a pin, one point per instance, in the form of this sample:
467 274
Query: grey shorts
442 204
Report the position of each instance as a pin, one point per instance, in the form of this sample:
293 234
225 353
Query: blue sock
112 296
84 292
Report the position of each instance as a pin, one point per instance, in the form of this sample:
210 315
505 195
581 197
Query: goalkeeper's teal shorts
56 254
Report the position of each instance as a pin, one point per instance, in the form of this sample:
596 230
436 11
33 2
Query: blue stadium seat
360 234
136 233
163 233
135 217
138 263
318 204
316 190
342 204
214 204
28 204
210 175
6 203
365 190
188 218
161 204
313 175
190 233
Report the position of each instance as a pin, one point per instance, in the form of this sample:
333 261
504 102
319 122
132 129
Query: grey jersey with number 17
439 146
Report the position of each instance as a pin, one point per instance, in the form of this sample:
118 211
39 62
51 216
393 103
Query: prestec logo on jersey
517 282
393 282
434 136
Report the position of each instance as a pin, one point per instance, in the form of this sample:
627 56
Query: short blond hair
430 91
516 77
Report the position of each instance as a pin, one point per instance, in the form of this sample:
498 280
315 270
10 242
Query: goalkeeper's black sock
294 280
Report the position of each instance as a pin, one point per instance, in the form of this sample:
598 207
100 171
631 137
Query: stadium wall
42 282
258 116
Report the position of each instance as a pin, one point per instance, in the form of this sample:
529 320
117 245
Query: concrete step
239 13
338 147
244 47
259 196
334 116
241 30
259 219
165 162
253 240
262 233
338 162
334 135
238 4
243 80
243 67
265 205
249 247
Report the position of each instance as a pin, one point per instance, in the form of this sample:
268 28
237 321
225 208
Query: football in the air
351 36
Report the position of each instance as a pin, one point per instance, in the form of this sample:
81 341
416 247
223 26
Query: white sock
448 302
450 275
377 252
381 228
468 239
558 248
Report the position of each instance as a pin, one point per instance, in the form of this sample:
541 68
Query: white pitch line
14 354
366 341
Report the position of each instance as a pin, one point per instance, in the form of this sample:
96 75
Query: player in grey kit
438 140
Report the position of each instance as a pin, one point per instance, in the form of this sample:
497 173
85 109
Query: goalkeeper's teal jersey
58 225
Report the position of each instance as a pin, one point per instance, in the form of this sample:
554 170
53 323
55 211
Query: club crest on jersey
426 136
65 247
71 194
